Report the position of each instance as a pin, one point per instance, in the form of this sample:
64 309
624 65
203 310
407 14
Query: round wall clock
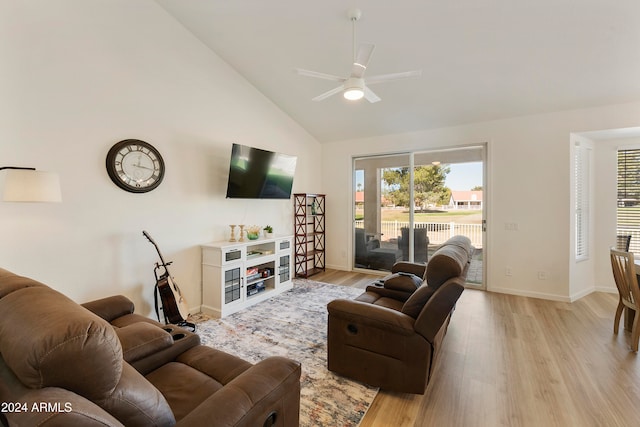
135 166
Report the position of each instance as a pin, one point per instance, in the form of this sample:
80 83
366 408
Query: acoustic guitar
174 305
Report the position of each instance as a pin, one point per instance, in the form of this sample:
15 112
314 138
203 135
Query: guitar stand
187 325
183 323
166 289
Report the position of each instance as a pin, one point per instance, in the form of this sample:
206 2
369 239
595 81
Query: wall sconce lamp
29 185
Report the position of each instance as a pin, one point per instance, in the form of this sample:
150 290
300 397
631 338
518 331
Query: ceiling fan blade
362 58
393 76
328 93
370 96
318 75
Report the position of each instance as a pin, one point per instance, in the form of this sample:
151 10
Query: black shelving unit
309 233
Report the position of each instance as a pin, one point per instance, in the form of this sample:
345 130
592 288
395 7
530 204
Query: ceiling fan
356 86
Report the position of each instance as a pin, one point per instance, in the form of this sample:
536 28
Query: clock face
135 166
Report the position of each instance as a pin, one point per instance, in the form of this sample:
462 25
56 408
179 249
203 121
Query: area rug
294 325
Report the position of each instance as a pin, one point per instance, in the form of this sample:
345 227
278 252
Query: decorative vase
252 236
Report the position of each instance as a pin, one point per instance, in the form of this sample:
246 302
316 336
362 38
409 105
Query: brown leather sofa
390 336
62 364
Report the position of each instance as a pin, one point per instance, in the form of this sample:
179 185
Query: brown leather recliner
63 365
391 335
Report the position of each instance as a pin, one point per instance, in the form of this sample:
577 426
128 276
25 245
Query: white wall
529 166
78 76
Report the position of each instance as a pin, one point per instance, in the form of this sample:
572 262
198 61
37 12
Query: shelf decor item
268 232
253 232
233 233
241 239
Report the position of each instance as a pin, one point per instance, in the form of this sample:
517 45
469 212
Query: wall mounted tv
260 174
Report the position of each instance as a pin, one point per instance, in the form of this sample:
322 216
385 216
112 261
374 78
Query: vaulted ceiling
480 59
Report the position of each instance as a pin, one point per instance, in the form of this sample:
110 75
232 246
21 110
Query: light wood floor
517 361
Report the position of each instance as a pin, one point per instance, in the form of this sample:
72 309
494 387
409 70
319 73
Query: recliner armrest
140 340
365 314
389 293
409 267
183 340
268 389
110 308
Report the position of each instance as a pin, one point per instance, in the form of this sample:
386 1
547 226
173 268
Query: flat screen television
260 174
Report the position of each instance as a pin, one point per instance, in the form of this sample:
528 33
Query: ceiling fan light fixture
353 94
353 89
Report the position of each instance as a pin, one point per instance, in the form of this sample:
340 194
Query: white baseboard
607 289
338 267
530 294
583 293
553 297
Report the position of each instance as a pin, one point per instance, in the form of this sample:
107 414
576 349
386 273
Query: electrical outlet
511 226
543 275
508 271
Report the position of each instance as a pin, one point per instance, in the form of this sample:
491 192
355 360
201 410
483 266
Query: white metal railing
438 232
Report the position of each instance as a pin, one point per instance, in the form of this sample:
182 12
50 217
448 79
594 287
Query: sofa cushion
135 402
450 260
372 297
12 282
413 306
183 387
49 340
405 282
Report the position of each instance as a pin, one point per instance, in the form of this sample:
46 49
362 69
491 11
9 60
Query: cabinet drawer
284 245
220 257
232 255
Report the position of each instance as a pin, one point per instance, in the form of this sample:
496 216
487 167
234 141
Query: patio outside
442 188
440 225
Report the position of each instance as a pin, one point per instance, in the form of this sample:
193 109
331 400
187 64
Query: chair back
623 242
624 274
361 243
420 244
363 246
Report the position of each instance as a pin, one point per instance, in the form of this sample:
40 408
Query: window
628 212
582 160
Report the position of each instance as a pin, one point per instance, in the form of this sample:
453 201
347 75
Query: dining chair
623 242
627 282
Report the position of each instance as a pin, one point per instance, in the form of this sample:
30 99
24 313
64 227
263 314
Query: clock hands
142 167
139 176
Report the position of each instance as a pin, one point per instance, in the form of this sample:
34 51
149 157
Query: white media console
236 275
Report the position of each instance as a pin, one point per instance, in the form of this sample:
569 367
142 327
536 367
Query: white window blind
582 161
629 197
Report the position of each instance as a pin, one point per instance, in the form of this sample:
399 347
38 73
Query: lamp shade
31 186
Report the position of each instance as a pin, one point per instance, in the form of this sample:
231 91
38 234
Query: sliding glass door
406 205
376 244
